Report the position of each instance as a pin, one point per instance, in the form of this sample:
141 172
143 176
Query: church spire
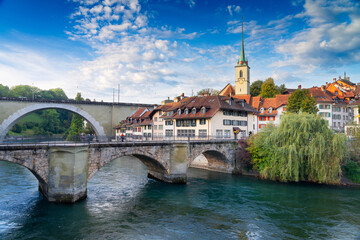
242 60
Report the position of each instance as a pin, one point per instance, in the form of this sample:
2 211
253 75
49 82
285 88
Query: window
227 134
219 133
178 123
193 122
155 127
203 110
226 122
202 133
193 111
185 133
155 119
149 127
242 114
241 73
243 123
168 122
284 108
160 127
169 132
262 118
145 127
202 121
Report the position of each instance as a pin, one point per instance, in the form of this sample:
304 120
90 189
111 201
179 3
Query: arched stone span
7 124
34 160
213 156
158 168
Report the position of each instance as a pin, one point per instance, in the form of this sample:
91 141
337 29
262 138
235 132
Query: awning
237 130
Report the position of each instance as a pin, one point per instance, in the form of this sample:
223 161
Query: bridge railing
91 139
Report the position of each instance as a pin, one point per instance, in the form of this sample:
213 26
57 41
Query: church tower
242 70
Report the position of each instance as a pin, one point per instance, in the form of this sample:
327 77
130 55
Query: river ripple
123 204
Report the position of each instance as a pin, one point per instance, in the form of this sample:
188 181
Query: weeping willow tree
302 148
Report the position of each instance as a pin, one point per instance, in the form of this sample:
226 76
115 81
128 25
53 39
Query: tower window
241 73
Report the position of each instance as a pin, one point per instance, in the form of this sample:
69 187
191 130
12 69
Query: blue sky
160 48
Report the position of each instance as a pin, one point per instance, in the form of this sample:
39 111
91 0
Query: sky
155 49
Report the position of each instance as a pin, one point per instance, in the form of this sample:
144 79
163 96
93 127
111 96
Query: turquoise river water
123 203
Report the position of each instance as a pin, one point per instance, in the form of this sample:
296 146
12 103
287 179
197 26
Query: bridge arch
35 161
153 166
211 157
8 123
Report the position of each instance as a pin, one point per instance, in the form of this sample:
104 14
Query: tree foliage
207 91
50 124
24 91
255 88
77 122
301 148
301 100
4 91
268 89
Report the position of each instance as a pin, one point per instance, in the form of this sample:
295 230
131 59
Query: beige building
210 117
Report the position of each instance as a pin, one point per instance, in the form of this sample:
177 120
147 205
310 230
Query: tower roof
242 60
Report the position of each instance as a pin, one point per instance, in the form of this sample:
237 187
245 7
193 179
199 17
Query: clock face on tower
241 80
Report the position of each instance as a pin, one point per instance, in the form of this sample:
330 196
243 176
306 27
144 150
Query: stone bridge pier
64 171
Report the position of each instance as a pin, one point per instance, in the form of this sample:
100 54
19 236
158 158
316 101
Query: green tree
281 88
268 89
301 100
301 148
23 91
88 129
50 124
59 94
4 91
208 91
77 123
255 88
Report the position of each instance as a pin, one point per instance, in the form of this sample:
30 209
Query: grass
32 117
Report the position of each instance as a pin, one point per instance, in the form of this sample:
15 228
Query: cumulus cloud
331 39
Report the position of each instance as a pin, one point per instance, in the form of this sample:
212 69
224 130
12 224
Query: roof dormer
262 110
203 110
270 109
193 111
186 111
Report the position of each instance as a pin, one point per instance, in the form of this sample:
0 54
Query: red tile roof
321 96
212 104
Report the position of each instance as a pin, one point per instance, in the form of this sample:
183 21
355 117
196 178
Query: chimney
348 78
334 79
323 88
299 87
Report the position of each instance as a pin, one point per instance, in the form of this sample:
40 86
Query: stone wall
34 159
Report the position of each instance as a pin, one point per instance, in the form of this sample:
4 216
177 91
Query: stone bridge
102 116
64 170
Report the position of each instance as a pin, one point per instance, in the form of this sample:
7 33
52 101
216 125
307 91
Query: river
123 203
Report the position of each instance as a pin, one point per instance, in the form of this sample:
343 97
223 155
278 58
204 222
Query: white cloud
233 9
329 41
